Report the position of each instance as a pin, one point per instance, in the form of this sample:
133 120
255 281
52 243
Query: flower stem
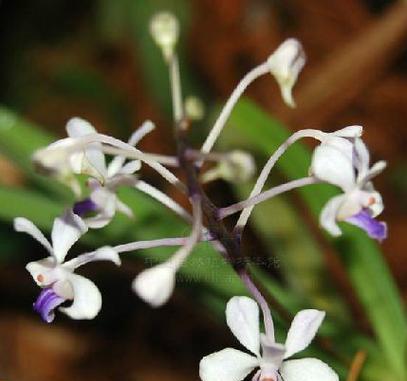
141 245
176 91
182 254
170 161
163 199
133 246
268 320
227 109
267 195
244 216
129 150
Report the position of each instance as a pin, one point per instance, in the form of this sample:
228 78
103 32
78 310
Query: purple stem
268 320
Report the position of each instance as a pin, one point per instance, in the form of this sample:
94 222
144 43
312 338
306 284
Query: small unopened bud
285 65
194 108
237 167
155 285
164 29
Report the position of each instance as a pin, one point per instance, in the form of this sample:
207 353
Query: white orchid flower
242 317
103 198
72 155
285 64
345 162
56 277
82 153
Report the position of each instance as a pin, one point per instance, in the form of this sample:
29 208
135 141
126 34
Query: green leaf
18 141
23 203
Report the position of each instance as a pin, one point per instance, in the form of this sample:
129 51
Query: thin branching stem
227 109
264 174
267 195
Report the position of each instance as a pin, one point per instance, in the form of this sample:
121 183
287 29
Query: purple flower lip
45 304
83 207
374 229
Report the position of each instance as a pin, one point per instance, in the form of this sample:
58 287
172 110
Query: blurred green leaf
23 203
81 83
18 140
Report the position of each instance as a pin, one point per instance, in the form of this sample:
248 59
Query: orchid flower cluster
341 158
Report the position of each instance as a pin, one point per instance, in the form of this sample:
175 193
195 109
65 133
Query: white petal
63 288
333 165
87 300
115 165
375 170
95 164
349 132
99 221
227 365
106 202
303 329
76 128
344 146
155 285
285 64
65 232
375 204
42 271
53 159
142 131
105 253
130 167
123 208
308 369
242 317
100 195
24 225
362 158
354 202
121 180
328 216
272 353
118 161
75 161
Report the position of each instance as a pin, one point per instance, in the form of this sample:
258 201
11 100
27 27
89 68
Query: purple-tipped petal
85 206
45 304
375 229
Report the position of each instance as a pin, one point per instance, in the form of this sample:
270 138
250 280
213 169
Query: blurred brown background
356 74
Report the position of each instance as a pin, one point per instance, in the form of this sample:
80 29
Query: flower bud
155 285
237 167
285 65
194 108
164 29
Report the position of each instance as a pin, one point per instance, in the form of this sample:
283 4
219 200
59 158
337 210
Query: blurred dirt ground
356 74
